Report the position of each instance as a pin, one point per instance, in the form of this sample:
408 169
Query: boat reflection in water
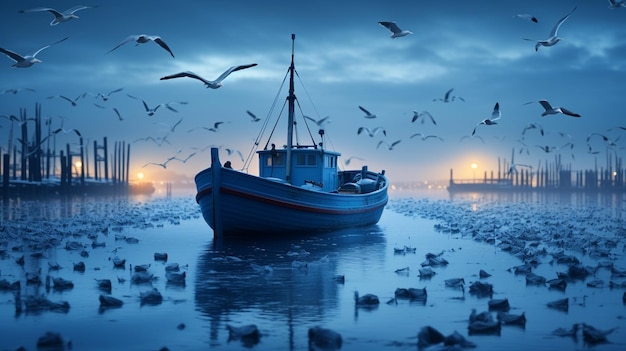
280 284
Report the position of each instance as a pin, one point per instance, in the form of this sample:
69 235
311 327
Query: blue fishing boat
299 189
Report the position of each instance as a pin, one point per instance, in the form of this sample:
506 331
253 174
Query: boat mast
291 99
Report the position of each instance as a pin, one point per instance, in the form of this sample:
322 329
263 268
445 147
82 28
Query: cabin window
276 160
306 160
331 161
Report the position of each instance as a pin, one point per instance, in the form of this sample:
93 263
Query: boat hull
234 202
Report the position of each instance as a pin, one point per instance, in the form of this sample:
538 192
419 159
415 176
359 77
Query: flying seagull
142 39
73 102
396 32
554 38
367 113
59 16
372 132
534 126
320 122
495 115
26 60
103 96
424 137
210 84
448 98
389 146
549 110
417 116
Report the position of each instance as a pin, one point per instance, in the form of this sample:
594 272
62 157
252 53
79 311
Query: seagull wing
128 39
231 70
569 113
118 114
447 96
47 46
54 12
432 119
14 56
546 105
559 23
254 117
392 26
495 115
366 111
161 43
186 74
77 8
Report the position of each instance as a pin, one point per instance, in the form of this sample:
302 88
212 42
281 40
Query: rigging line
307 94
254 147
306 124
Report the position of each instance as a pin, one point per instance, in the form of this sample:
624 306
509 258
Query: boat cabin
311 167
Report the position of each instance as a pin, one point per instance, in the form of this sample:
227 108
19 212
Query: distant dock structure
551 176
34 167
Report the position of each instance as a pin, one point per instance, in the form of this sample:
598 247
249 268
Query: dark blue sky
345 59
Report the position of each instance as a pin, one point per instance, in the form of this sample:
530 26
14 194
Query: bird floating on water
396 32
60 17
142 39
24 61
553 38
213 84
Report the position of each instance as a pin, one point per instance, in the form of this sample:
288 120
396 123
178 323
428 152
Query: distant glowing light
140 176
78 164
474 165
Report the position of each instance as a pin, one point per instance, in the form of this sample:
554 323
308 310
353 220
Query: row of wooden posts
34 161
555 175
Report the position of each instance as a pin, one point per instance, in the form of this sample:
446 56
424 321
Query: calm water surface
286 285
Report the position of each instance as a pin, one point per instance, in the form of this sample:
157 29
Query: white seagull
367 113
554 38
495 115
549 110
59 16
396 32
26 60
142 39
210 84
